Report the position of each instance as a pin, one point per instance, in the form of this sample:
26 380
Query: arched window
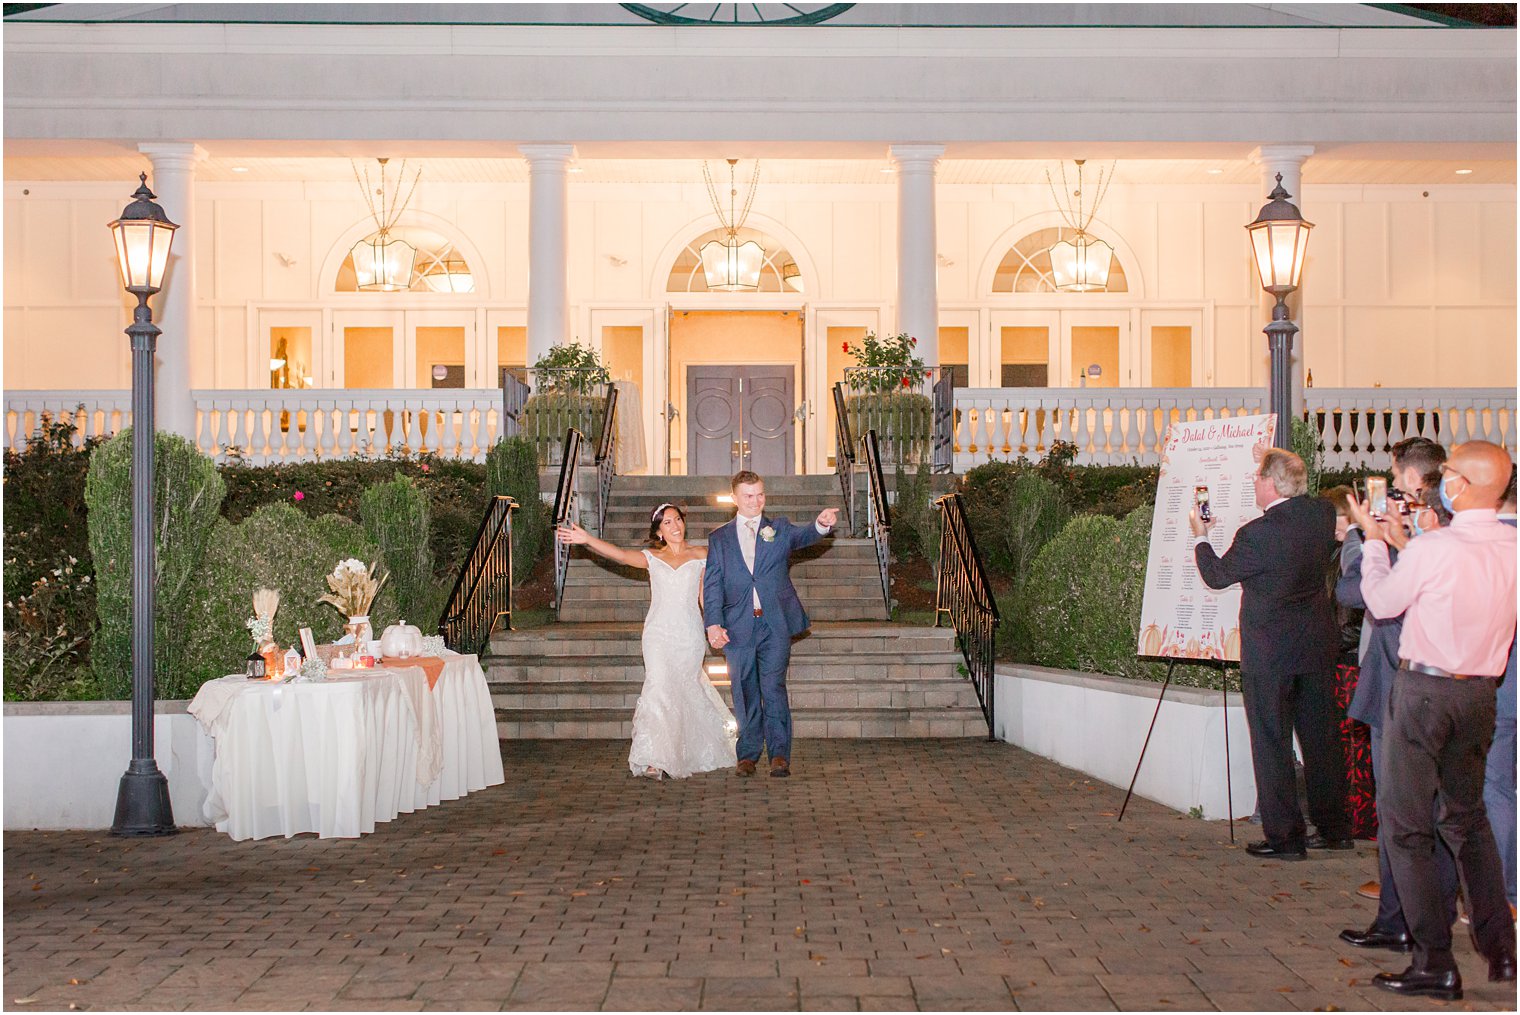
778 272
439 267
1026 267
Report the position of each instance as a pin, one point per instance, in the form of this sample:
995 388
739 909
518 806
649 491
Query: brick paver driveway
883 875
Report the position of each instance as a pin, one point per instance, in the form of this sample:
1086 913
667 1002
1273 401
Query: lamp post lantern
143 235
1279 239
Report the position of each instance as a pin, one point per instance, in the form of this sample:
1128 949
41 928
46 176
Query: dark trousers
1277 707
1436 747
757 677
1390 914
1499 798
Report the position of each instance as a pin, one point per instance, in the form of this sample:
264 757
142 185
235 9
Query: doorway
1063 349
734 378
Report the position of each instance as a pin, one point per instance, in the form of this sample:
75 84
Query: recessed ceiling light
1214 172
1464 172
887 170
576 169
240 169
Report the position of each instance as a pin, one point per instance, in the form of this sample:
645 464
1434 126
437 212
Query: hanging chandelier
382 262
1081 263
731 266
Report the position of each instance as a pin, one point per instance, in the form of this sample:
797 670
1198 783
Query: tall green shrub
915 522
187 493
1304 441
280 548
512 469
397 520
1034 511
1084 593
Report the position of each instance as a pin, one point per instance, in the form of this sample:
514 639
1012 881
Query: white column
917 266
548 246
173 179
1289 161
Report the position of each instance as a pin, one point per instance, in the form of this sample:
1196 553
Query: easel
1222 666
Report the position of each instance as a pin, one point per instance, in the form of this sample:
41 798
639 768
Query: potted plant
569 390
885 393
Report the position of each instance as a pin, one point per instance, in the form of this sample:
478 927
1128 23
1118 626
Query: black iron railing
942 439
606 453
878 513
567 497
482 593
965 597
844 456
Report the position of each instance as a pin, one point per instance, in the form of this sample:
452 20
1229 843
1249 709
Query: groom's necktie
749 531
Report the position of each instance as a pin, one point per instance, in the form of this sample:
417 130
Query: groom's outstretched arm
806 535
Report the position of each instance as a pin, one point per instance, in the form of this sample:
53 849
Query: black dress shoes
1373 937
1320 842
1502 969
1414 982
1267 851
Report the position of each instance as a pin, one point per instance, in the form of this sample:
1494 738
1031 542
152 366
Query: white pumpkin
401 641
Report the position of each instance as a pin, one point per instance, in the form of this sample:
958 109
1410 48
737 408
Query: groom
753 613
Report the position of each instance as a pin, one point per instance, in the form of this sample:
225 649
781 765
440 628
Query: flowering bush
47 637
884 364
569 369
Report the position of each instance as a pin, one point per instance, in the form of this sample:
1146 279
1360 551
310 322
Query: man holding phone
1288 644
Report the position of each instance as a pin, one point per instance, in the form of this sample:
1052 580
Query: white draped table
336 756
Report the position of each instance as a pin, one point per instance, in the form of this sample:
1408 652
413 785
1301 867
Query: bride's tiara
659 510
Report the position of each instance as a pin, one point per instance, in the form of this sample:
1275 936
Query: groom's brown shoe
780 769
745 769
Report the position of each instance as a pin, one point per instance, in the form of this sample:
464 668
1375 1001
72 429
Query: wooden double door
741 417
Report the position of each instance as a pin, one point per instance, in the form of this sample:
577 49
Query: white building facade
902 187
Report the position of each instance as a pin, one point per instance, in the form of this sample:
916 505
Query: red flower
905 382
425 467
846 346
298 495
913 341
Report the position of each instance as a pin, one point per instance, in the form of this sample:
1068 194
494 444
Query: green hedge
396 518
187 497
276 547
512 471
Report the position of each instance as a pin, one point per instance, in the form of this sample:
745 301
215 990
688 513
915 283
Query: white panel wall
1401 287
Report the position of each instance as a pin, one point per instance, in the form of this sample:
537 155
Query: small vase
360 629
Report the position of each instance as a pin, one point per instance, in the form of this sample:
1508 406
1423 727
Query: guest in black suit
1288 643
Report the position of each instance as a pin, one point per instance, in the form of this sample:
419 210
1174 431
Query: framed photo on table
308 643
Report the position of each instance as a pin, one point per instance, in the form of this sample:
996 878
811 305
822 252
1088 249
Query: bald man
1456 589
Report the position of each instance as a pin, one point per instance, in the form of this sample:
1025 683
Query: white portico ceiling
1329 169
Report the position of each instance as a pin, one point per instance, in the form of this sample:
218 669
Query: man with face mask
1416 463
1456 589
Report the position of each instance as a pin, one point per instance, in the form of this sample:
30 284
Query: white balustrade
270 427
1109 426
1358 425
93 413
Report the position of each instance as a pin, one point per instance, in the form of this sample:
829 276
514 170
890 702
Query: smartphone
1377 496
1201 498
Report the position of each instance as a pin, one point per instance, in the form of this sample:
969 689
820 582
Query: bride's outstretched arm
575 535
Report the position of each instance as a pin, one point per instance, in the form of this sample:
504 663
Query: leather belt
1436 671
759 612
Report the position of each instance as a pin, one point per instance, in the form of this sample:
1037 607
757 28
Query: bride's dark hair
655 539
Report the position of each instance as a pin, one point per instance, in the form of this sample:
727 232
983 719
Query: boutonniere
768 534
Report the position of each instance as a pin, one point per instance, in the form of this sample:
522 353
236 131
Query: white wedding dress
681 725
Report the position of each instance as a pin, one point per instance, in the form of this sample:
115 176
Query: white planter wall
64 762
1096 724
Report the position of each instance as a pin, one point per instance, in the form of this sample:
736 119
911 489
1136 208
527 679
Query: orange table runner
432 666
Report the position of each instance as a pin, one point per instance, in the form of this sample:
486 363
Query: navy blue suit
759 648
1499 783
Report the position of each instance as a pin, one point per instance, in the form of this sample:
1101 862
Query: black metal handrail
844 455
878 513
606 454
942 446
482 593
567 496
965 596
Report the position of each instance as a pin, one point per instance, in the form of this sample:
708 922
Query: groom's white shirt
748 528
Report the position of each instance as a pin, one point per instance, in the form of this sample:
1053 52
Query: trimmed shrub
396 519
1305 443
280 548
1082 599
512 470
187 496
915 522
47 637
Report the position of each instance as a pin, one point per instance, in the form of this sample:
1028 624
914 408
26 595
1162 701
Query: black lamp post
1279 239
143 235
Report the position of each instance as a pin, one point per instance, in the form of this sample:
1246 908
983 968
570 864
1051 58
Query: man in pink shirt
1456 589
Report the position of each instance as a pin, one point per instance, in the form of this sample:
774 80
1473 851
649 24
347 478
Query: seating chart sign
1181 617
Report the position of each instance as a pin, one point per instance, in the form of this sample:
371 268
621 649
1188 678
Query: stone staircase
855 674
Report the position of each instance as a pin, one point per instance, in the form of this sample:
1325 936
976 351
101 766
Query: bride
680 725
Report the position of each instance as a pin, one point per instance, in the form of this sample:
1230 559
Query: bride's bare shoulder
700 551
